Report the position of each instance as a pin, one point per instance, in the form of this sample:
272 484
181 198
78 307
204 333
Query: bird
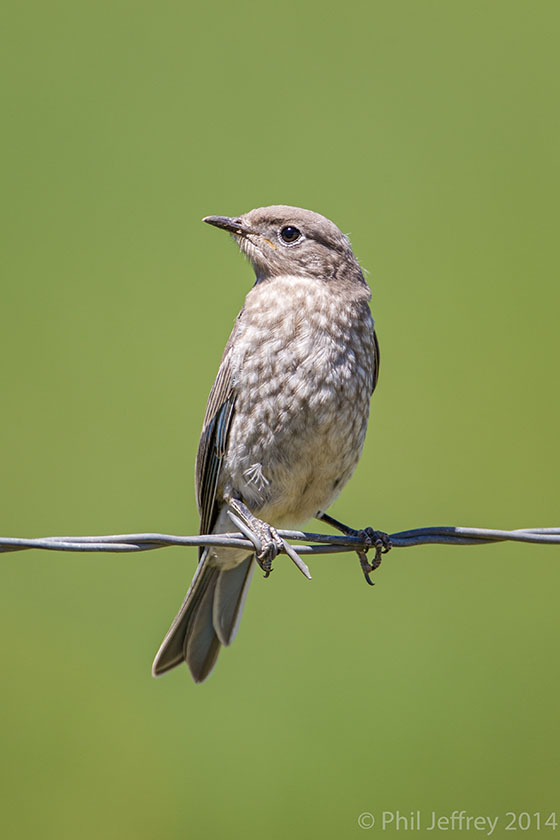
286 418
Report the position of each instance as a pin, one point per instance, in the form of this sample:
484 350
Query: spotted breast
303 368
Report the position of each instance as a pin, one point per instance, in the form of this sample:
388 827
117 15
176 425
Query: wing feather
213 439
375 361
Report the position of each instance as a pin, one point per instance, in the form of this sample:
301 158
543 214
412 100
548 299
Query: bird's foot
375 539
370 539
378 540
266 539
271 544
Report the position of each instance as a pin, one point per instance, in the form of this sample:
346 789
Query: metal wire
323 543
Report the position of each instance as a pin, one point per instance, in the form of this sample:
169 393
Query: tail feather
208 618
201 645
231 591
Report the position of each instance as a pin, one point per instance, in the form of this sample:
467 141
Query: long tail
208 618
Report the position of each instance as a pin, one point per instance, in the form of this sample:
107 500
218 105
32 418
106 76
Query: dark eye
290 234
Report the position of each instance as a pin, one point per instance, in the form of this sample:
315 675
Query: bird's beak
228 223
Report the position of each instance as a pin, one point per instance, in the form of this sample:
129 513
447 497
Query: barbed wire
324 543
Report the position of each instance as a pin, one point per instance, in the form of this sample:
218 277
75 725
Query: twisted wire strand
323 543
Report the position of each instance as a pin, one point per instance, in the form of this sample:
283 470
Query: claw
266 539
367 568
381 547
370 539
373 539
271 544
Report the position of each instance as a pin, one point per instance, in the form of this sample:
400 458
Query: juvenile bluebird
286 417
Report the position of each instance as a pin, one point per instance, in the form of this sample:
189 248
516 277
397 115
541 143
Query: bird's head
281 240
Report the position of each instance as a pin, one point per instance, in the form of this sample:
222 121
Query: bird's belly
290 456
303 370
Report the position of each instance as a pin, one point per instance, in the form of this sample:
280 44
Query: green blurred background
430 132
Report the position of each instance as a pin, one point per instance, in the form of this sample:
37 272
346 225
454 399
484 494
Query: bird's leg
264 537
371 539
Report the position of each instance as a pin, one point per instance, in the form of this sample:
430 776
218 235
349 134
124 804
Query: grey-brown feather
209 458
